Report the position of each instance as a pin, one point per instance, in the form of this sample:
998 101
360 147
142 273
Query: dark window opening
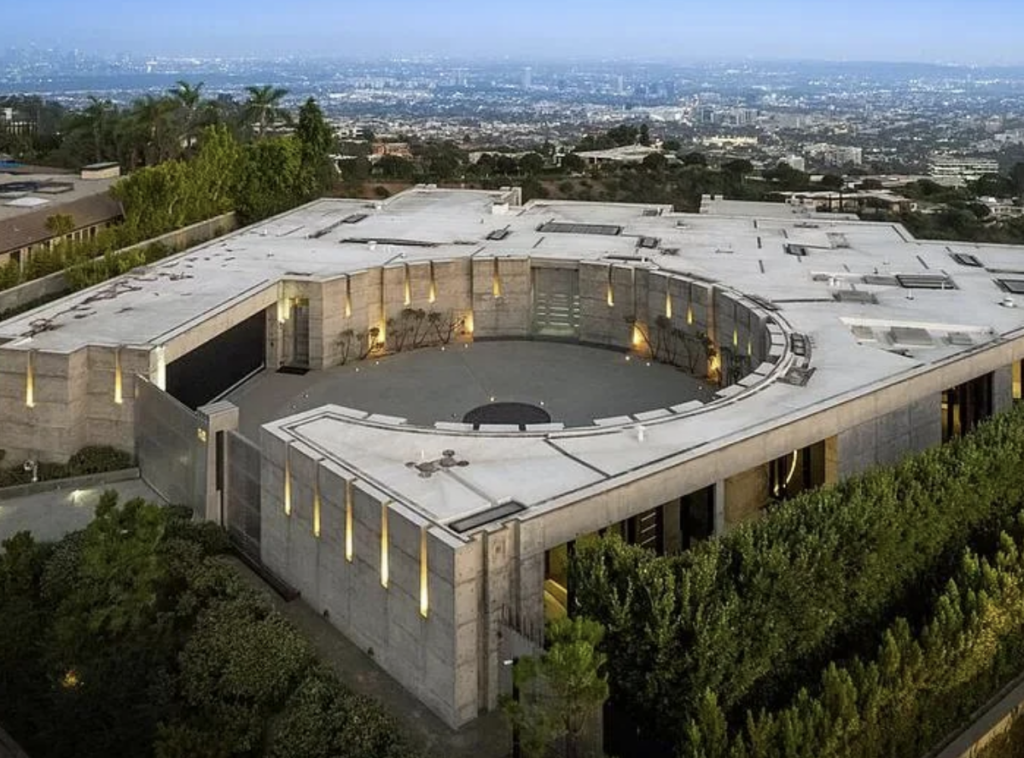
966 406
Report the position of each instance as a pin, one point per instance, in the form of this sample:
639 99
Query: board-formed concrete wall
429 645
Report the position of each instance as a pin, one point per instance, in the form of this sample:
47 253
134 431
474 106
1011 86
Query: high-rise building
527 77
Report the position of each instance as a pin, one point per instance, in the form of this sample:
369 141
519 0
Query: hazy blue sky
981 31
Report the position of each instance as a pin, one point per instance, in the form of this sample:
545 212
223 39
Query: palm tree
188 101
263 108
96 118
152 115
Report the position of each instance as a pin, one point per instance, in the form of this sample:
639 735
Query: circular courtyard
500 382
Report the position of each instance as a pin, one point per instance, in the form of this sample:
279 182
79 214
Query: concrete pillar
720 508
1002 389
221 418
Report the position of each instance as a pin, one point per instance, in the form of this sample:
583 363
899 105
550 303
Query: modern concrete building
956 171
694 370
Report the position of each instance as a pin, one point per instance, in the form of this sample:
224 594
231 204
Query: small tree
60 224
564 688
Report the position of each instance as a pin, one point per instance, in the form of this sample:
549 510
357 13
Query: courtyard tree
562 690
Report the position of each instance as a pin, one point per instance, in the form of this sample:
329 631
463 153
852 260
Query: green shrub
97 460
920 684
751 615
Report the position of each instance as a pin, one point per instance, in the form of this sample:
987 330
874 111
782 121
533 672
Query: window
965 406
1018 380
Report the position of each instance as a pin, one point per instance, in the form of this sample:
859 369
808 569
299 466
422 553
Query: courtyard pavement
51 515
573 383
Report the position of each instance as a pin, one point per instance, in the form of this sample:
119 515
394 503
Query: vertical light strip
689 315
424 596
432 294
287 480
496 280
118 397
348 521
668 304
348 297
384 545
30 380
316 501
735 338
406 286
611 289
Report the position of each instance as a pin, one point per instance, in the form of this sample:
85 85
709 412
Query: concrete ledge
71 483
995 718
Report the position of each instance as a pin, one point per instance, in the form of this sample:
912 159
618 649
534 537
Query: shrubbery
89 460
132 637
753 616
920 683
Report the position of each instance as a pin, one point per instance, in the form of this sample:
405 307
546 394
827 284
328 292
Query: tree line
218 173
134 637
152 129
744 622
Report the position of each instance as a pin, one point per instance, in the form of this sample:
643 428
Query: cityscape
534 382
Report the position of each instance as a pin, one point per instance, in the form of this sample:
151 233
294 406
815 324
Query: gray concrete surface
51 515
575 384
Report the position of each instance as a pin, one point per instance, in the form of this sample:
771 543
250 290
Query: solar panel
797 250
499 234
925 282
962 339
649 243
563 227
651 212
966 259
1014 286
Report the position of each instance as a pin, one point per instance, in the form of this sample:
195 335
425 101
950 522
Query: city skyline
939 32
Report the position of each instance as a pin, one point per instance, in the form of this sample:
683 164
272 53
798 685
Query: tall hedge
919 685
752 616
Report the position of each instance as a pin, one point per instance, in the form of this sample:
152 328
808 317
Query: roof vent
1009 302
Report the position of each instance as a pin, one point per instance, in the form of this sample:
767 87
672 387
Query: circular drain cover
519 414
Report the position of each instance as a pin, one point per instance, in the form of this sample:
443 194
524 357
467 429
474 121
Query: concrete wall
433 656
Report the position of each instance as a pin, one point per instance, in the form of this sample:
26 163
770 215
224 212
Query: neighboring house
28 201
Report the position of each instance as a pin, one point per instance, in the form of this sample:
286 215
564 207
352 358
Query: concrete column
220 417
720 508
1002 389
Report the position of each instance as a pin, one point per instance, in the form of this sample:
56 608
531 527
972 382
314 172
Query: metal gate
242 499
556 302
170 444
300 345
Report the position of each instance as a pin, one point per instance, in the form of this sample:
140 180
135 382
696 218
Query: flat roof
842 291
44 190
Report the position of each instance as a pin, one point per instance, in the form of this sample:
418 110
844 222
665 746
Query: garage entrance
214 367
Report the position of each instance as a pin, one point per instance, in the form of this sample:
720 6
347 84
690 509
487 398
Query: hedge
751 617
96 459
919 684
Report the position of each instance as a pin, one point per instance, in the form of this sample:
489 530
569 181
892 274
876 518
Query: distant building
398 149
626 154
527 77
29 200
795 162
837 155
955 171
13 122
1002 208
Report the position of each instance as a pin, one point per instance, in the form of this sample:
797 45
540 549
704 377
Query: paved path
51 515
487 737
